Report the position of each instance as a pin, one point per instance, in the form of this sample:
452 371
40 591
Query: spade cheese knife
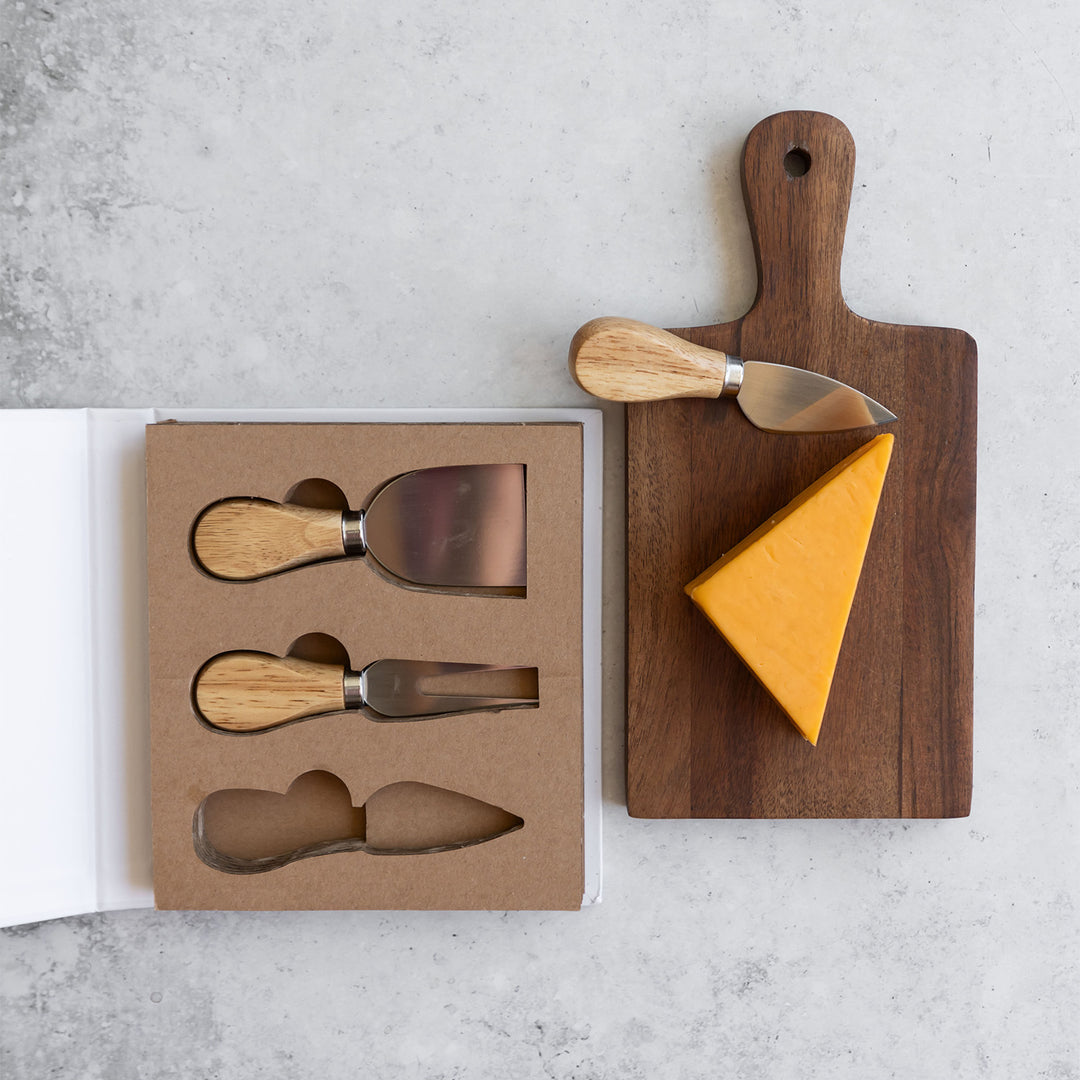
455 526
625 360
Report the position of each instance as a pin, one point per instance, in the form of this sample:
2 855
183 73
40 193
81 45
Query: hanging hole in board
796 162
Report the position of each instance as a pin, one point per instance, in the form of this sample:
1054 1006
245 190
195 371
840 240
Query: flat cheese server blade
455 526
451 527
625 360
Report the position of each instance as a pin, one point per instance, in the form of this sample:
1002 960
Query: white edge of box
47 779
90 849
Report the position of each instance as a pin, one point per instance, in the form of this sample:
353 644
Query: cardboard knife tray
111 770
526 763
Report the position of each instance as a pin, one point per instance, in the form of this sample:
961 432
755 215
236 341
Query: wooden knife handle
241 539
253 691
624 360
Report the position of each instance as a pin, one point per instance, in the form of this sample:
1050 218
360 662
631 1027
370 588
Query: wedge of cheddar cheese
782 596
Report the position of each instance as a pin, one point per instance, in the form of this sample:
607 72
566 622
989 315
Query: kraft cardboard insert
366 665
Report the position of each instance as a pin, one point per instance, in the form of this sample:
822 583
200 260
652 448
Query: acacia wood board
704 739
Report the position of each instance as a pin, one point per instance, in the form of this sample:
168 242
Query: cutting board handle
798 170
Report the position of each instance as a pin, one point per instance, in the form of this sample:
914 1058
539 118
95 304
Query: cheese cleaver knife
625 360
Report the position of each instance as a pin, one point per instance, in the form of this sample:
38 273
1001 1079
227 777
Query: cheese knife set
799 599
366 640
444 528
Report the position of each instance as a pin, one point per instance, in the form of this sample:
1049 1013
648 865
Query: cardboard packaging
79 776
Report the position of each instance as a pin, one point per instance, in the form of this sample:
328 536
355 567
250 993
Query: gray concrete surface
416 204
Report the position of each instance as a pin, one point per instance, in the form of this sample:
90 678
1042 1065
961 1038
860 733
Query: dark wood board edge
939 616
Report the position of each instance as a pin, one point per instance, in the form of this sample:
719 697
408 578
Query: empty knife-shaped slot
250 831
456 528
244 692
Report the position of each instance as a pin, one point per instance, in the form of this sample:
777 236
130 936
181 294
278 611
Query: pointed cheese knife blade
624 360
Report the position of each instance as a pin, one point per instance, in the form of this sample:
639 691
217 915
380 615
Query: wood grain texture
703 738
243 539
252 691
625 360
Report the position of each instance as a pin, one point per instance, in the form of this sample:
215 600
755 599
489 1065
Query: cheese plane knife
625 360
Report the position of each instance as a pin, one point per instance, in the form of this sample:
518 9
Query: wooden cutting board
703 738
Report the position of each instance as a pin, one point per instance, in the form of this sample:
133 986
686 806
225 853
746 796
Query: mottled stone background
312 203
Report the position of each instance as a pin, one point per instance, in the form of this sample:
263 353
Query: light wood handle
624 360
241 539
251 691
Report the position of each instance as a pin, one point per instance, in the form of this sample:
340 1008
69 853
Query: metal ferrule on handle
353 537
353 689
733 376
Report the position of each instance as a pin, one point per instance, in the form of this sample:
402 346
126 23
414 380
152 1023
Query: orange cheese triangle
782 596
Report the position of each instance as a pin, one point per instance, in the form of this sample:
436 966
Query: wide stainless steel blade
784 399
452 526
